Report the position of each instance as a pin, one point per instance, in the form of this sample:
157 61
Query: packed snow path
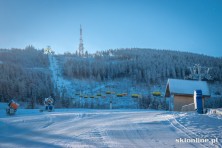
65 87
68 87
105 128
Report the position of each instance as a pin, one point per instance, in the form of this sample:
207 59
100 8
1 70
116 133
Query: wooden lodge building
181 92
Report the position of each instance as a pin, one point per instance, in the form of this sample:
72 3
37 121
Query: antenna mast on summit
81 48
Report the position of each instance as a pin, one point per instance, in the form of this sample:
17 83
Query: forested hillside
24 74
140 65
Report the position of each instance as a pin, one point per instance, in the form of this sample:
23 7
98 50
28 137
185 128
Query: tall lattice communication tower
81 48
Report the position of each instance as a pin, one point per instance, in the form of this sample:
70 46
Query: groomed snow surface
108 128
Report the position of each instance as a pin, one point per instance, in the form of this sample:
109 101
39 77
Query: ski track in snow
59 82
106 128
199 125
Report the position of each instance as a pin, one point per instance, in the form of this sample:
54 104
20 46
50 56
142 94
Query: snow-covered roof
186 87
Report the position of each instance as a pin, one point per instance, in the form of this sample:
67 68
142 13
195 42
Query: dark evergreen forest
141 65
24 74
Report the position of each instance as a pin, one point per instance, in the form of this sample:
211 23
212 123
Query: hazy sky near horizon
186 25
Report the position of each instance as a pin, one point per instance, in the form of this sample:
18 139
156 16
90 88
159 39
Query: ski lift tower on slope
199 73
48 50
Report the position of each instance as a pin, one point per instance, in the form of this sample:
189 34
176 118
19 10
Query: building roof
185 87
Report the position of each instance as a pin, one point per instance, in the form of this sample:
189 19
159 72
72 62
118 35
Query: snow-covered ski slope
68 88
107 128
59 82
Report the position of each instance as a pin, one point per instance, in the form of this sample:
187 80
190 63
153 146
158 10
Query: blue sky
186 25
